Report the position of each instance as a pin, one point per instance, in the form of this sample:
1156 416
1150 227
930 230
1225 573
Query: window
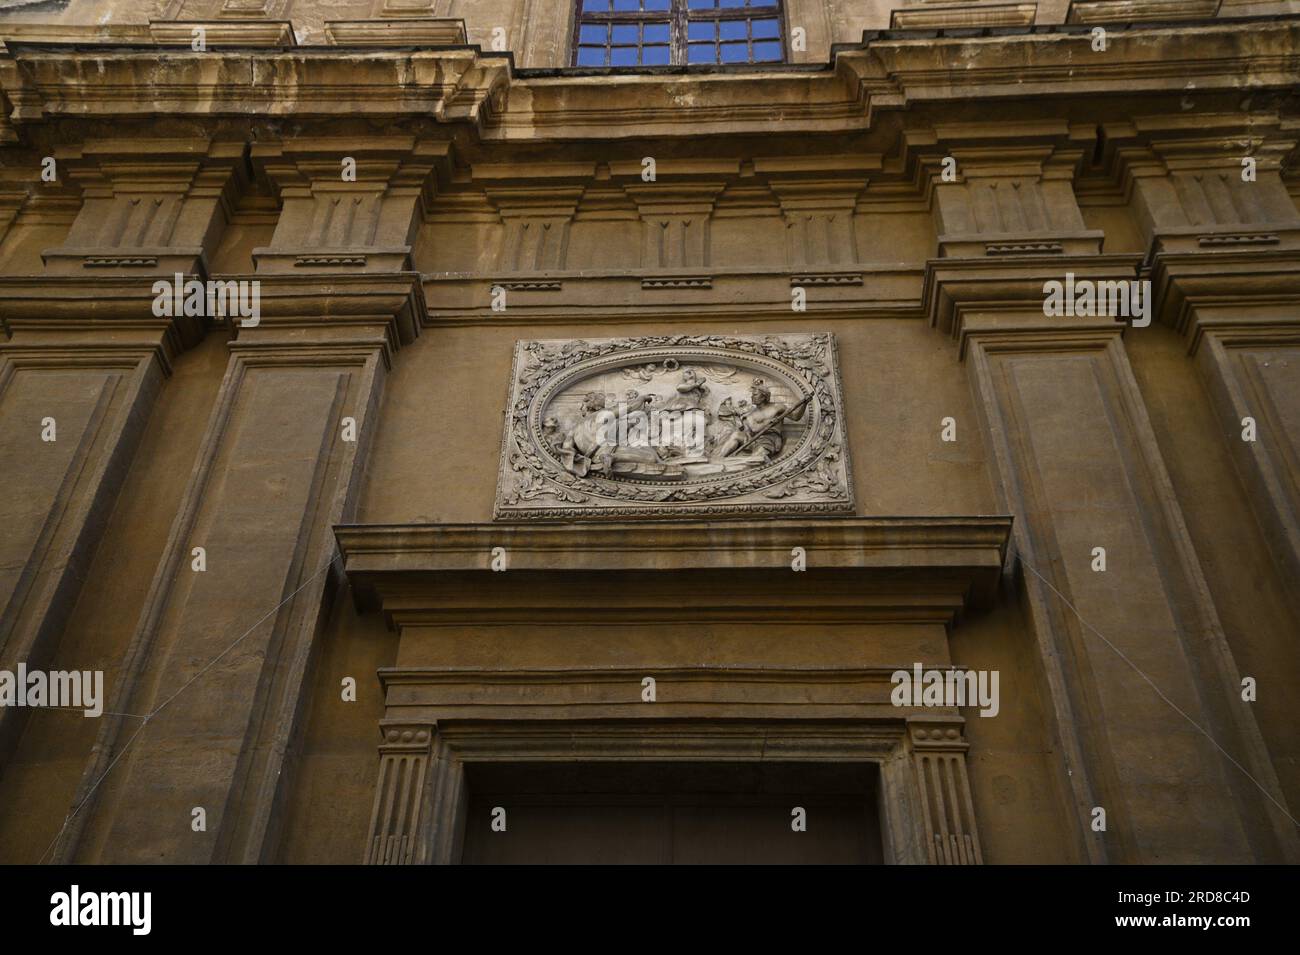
669 32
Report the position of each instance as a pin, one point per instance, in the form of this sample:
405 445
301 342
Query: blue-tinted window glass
718 31
735 53
702 53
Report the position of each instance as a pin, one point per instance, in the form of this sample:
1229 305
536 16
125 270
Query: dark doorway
664 813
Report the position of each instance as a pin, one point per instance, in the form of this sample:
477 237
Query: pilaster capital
92 314
990 296
403 737
354 313
927 733
1237 283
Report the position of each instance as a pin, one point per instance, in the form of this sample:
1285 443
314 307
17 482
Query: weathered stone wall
921 193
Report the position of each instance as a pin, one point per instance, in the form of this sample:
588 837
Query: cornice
570 739
49 80
883 542
115 74
444 693
896 70
913 568
536 676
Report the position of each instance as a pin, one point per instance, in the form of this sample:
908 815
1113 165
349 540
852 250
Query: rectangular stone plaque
674 425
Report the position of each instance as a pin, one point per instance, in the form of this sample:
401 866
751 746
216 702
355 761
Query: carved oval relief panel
673 425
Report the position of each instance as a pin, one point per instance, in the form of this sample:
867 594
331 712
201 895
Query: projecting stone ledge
858 569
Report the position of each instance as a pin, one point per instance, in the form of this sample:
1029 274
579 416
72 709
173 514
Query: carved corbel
347 205
1006 200
1220 187
819 219
147 204
675 222
537 220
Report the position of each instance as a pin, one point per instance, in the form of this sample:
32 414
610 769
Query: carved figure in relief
634 403
756 427
680 438
593 445
691 393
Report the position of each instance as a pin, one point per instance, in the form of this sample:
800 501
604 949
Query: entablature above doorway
875 569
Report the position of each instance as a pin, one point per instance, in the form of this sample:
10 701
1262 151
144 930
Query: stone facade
360 569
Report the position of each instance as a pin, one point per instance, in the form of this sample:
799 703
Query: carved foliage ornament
670 425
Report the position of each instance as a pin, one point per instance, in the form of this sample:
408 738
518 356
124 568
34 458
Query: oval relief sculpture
672 425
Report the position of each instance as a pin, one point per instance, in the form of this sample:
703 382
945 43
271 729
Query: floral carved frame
815 478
